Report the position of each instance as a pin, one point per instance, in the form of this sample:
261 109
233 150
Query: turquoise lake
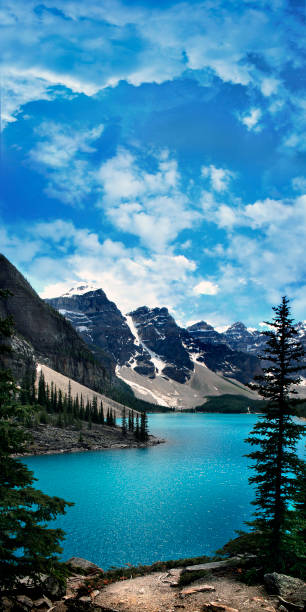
184 498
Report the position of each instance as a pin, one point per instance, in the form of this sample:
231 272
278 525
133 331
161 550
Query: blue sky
157 150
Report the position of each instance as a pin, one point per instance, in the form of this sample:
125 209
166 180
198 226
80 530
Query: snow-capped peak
79 290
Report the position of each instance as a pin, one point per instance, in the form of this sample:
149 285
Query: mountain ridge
152 354
45 335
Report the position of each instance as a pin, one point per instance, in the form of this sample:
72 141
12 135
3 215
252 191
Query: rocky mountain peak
80 290
236 327
200 326
42 334
159 334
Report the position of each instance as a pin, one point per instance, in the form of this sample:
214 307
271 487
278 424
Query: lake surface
184 498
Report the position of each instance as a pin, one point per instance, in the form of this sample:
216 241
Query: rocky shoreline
213 586
50 439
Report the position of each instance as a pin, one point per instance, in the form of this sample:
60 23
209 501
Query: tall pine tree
277 467
27 546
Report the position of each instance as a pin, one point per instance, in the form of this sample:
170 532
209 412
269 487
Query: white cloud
251 120
62 155
299 184
269 86
272 258
226 216
111 41
127 275
152 206
206 288
219 177
19 89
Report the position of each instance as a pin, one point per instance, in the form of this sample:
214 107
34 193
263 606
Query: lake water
184 498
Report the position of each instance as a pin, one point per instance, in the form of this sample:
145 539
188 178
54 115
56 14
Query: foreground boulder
87 567
287 587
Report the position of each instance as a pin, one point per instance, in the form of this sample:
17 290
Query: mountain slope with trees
47 336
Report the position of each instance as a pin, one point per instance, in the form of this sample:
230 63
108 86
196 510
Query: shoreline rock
52 440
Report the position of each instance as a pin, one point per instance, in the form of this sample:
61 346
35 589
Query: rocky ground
49 439
221 590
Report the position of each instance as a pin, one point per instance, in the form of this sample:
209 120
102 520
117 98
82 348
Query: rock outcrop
44 334
98 321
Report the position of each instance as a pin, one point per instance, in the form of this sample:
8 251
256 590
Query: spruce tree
101 414
123 425
131 420
41 390
24 510
137 430
144 432
76 407
69 399
60 401
82 413
278 470
95 416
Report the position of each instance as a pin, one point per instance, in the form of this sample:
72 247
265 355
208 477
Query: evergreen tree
69 399
47 402
76 407
87 410
123 426
278 469
95 416
101 414
41 390
144 432
24 510
65 403
137 430
25 391
131 420
60 401
82 412
33 388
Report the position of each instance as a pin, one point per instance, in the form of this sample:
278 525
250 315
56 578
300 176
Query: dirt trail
154 593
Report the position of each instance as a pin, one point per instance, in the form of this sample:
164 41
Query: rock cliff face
46 335
149 341
98 321
220 358
237 337
158 332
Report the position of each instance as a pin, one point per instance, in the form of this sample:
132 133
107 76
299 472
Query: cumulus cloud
150 205
127 275
219 177
251 120
271 257
61 153
112 41
206 288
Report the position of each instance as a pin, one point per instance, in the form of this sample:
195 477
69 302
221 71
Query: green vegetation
27 546
278 528
55 408
122 393
133 571
228 404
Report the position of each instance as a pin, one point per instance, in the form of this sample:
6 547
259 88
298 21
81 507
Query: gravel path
154 593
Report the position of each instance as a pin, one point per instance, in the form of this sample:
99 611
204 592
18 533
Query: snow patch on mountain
80 290
158 363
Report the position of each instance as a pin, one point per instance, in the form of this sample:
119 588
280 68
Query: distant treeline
239 404
69 410
122 393
231 404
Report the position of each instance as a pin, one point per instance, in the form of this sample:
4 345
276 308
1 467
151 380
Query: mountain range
145 353
163 362
41 334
